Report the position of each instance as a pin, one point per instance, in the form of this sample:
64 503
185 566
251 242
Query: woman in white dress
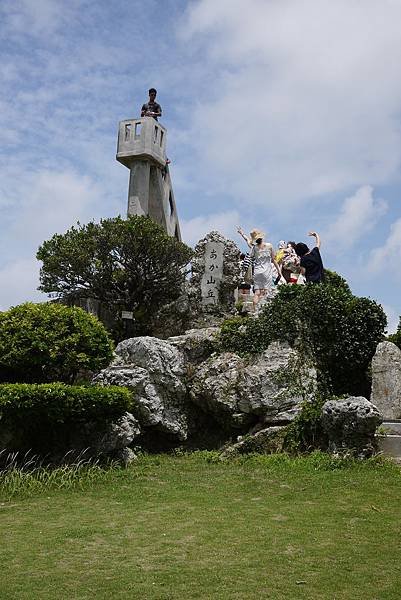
263 256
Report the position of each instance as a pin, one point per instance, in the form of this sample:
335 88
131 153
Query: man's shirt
313 265
152 107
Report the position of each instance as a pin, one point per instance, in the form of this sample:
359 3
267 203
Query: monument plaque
211 278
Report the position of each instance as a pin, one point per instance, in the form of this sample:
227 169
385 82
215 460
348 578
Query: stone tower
142 148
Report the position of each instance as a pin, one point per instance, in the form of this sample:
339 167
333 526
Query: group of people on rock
263 268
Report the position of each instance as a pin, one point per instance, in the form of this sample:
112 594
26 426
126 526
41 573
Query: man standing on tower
151 108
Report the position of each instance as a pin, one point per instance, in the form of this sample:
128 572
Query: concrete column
156 197
138 191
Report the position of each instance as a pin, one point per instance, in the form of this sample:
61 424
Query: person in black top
311 261
151 108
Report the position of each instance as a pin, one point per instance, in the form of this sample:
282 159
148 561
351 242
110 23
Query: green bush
38 415
50 342
334 279
337 330
396 337
126 264
305 433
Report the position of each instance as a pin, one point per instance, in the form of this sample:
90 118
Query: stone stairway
390 442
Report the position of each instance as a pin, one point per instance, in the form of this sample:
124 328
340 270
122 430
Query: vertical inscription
211 279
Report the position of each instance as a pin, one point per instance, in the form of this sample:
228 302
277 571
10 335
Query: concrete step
390 445
392 427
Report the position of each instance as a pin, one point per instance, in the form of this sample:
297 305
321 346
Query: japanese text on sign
211 278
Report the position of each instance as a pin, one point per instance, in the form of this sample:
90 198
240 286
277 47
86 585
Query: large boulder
268 387
350 425
184 391
154 370
196 344
265 441
110 440
386 380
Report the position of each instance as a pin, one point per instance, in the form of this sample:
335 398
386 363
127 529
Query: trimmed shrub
51 342
337 330
38 416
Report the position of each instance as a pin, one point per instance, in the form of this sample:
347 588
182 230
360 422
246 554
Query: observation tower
141 147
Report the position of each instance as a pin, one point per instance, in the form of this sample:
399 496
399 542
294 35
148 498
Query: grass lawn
183 527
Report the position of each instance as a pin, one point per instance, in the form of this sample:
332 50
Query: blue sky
280 114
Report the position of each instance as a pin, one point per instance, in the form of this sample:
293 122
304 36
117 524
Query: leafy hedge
337 330
36 415
50 342
59 403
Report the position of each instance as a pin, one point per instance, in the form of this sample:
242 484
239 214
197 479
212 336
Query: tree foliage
335 280
130 265
338 330
50 342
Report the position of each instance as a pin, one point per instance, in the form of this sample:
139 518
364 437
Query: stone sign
215 274
211 278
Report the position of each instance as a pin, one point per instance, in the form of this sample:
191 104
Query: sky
281 114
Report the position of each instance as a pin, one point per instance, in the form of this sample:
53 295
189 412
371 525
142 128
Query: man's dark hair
152 90
292 244
301 249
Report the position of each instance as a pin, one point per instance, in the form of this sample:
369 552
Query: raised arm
275 263
316 236
242 234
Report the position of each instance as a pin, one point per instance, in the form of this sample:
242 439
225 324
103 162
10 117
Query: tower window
127 134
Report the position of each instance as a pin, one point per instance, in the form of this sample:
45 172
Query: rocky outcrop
196 344
154 370
241 391
265 441
386 380
350 425
110 440
178 383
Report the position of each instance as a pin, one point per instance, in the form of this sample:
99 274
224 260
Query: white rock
351 424
153 370
386 380
238 390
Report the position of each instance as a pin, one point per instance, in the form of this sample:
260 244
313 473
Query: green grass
189 527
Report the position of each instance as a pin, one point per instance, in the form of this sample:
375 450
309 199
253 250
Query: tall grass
24 475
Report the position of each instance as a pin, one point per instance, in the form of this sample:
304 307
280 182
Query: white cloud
45 203
387 257
36 17
302 97
393 318
195 229
49 202
358 215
